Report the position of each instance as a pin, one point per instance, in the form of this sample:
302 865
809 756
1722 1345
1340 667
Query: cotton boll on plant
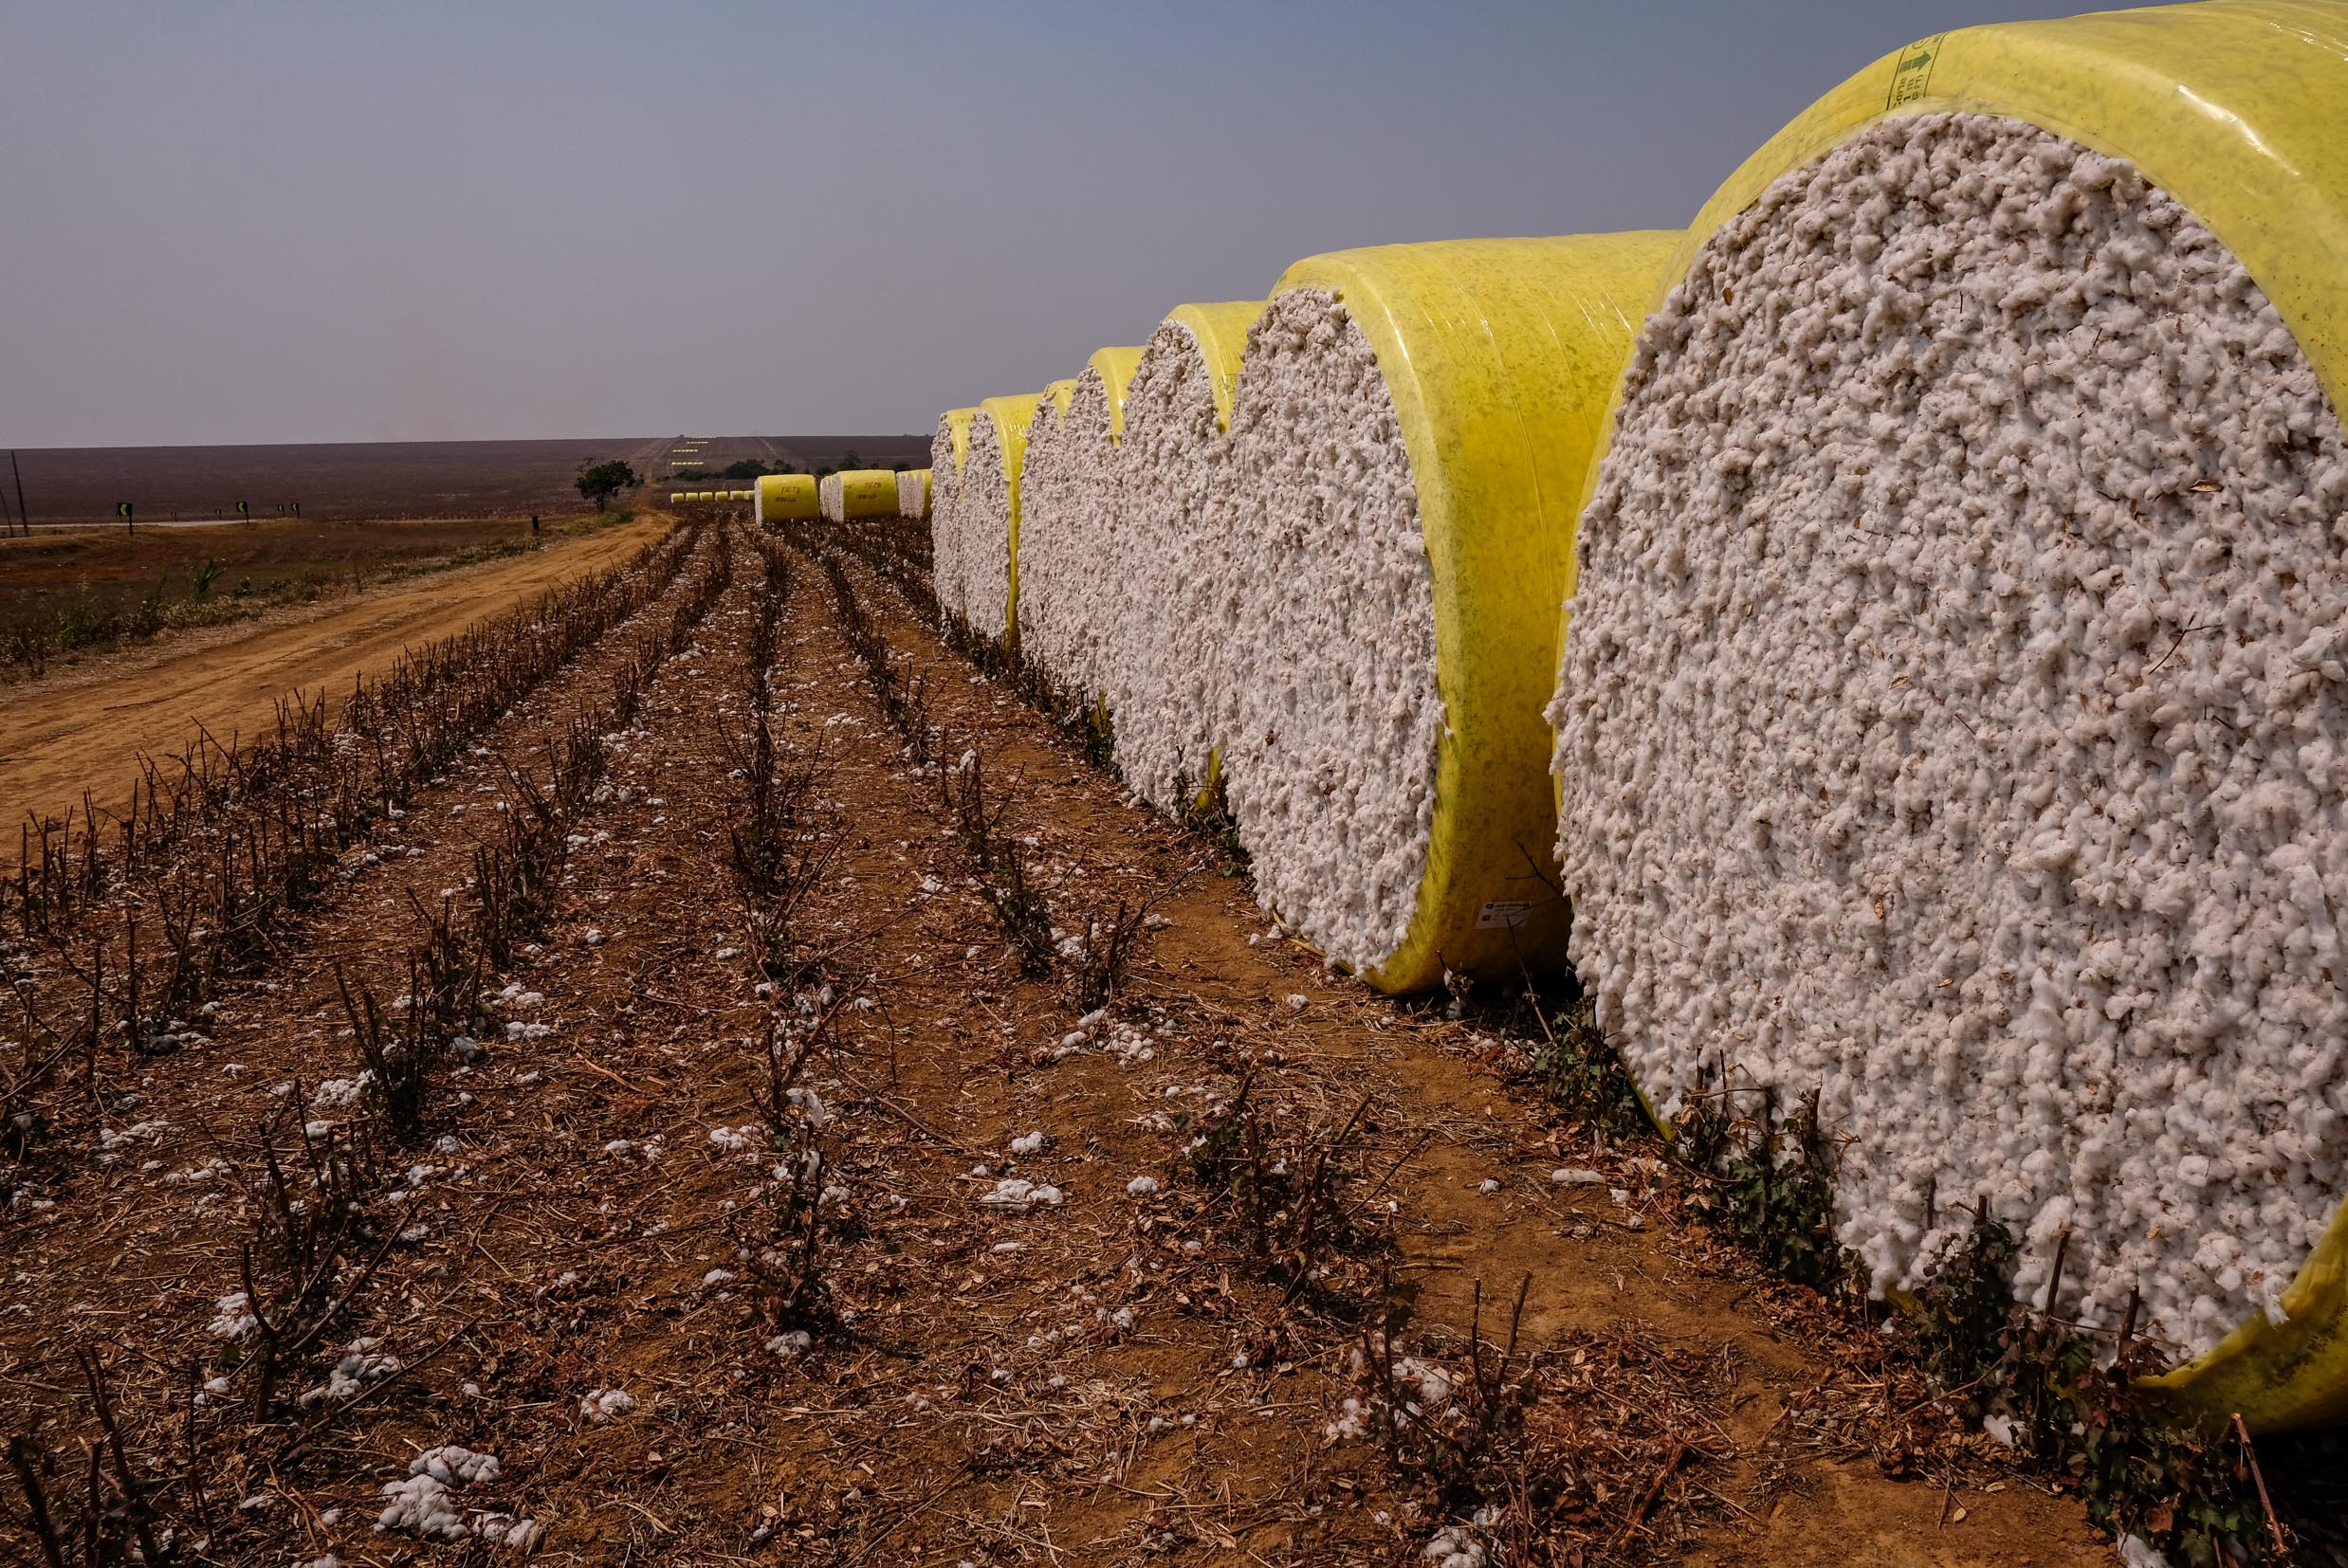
1971 555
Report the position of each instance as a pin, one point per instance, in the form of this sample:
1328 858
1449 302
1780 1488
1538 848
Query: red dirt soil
1099 1381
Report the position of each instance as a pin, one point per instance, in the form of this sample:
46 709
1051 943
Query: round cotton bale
914 495
1953 705
1069 575
1173 533
950 448
781 497
990 514
675 496
868 493
1406 454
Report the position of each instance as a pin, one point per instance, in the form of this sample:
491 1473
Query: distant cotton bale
990 514
1172 550
1069 573
914 495
867 493
677 497
950 448
1407 458
784 497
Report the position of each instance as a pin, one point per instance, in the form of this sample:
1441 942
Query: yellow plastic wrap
1220 330
1058 395
675 496
958 425
781 497
1116 367
1011 416
2239 109
1499 357
868 493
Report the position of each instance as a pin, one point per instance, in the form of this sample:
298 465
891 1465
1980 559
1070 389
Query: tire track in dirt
84 729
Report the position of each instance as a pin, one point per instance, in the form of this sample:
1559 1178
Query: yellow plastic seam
1499 357
1220 332
2236 108
958 427
1058 395
1116 367
1011 417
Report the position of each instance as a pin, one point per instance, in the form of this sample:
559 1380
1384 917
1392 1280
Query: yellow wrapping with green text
868 493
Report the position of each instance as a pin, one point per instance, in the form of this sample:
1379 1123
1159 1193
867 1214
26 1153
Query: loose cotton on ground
1174 545
1953 717
1069 568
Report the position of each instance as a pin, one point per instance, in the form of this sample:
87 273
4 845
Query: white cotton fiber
1070 568
828 499
989 511
1953 717
947 449
1174 525
1321 651
914 495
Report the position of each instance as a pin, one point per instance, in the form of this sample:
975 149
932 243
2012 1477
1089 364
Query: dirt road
85 728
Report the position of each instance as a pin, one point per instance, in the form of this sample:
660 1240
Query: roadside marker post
122 510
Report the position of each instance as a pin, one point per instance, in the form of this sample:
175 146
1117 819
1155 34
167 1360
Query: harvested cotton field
1070 528
913 493
1173 524
1975 567
1380 663
948 449
989 513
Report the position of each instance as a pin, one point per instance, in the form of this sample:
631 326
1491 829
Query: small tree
604 481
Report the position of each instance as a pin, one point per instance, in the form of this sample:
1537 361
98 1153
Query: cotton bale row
1069 571
988 515
784 497
948 449
1953 717
914 495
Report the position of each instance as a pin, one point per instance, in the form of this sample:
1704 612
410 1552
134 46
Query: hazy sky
226 221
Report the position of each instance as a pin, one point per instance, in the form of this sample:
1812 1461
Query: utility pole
21 516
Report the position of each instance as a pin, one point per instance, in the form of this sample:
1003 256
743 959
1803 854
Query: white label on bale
1507 913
